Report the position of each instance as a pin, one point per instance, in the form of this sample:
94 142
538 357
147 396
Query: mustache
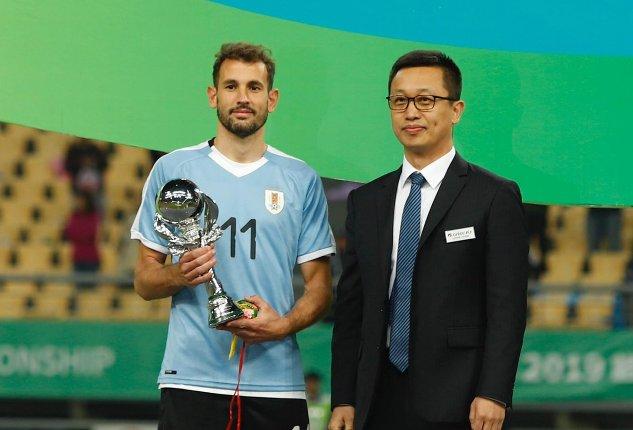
242 107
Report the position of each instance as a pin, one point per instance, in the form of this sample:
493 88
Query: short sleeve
316 238
143 227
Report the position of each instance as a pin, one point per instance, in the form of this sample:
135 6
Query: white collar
233 167
433 173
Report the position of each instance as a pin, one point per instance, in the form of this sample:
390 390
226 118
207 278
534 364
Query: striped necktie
400 301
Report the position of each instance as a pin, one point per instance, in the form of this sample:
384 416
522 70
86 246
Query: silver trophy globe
187 218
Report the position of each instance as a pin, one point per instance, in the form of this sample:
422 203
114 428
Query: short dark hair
419 58
247 53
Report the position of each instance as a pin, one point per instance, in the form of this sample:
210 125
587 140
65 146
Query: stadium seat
63 289
93 305
20 288
62 256
34 258
50 306
563 267
109 259
162 308
38 171
606 268
134 308
594 311
548 310
567 227
5 255
12 306
23 192
58 192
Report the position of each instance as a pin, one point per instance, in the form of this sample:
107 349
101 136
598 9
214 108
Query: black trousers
392 409
192 410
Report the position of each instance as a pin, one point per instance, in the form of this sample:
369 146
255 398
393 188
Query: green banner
135 72
122 360
80 360
104 360
575 366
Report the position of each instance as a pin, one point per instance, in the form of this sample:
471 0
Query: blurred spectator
604 225
536 216
318 403
82 230
85 163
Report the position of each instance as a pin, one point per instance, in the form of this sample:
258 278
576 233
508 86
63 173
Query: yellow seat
134 308
12 306
563 267
548 310
20 288
59 193
162 308
23 193
5 256
38 171
606 269
51 306
62 289
12 141
52 146
93 305
109 259
566 227
594 311
34 258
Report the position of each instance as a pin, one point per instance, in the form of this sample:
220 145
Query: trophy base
222 309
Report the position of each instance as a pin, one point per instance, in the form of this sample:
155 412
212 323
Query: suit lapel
385 202
452 184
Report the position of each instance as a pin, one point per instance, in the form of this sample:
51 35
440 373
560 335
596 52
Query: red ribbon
236 399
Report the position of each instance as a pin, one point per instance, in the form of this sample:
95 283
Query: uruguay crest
274 201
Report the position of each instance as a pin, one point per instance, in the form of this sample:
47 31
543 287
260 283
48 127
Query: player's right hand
342 418
194 266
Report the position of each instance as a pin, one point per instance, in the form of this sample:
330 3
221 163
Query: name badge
460 234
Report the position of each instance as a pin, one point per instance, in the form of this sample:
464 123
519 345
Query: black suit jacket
468 298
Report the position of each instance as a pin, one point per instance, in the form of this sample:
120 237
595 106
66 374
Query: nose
243 96
411 112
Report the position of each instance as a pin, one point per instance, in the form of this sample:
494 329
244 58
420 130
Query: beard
240 128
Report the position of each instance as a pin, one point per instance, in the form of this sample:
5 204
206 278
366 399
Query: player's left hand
486 414
268 325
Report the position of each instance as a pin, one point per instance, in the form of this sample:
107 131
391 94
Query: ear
212 94
273 99
458 110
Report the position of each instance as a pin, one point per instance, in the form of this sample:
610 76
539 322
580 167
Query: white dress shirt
433 174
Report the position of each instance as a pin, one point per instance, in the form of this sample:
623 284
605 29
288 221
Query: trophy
187 217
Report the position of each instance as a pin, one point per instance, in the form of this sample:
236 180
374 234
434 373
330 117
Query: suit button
381 309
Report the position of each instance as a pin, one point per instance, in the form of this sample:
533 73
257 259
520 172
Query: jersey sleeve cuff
149 243
316 254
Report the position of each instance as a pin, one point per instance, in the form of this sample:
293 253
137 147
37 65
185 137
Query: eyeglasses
423 102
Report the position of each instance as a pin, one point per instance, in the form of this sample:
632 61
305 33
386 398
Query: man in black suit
431 304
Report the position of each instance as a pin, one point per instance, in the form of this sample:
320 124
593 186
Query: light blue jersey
273 213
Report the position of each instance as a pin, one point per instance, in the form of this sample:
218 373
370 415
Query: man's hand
153 279
194 266
268 325
342 418
486 414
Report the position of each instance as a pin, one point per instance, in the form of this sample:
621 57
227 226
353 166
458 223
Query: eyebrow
233 81
417 90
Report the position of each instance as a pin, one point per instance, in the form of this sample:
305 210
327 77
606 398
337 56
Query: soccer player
274 215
